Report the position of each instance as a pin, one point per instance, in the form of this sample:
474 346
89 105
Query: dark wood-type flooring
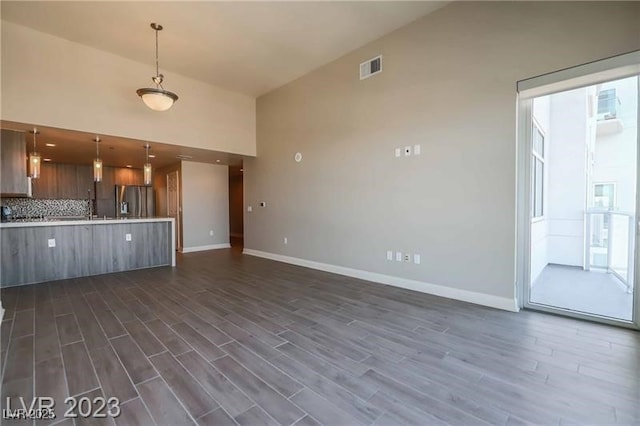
231 339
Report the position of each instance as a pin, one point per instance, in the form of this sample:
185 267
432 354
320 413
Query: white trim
435 289
589 74
207 247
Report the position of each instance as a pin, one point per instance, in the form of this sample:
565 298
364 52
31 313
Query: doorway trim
614 68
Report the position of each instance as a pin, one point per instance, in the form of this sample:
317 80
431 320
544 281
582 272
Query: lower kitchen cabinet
89 248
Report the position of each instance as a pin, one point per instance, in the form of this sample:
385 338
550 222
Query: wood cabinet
71 181
126 176
13 154
66 182
105 189
46 185
84 182
83 249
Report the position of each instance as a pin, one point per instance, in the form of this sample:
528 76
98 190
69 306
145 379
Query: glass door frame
524 136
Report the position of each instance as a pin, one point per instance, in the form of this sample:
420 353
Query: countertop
67 222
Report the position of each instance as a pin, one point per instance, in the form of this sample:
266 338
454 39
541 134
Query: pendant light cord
157 67
35 132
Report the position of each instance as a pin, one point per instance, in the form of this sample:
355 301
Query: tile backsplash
33 207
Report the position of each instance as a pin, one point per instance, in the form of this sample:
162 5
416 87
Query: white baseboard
503 303
203 248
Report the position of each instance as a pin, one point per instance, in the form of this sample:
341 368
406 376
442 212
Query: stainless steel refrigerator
134 201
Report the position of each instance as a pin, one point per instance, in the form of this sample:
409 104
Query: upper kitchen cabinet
105 188
126 176
46 185
64 181
13 154
84 182
67 182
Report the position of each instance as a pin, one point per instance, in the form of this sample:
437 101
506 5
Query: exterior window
607 104
604 196
537 170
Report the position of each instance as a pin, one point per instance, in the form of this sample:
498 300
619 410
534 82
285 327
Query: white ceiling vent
371 67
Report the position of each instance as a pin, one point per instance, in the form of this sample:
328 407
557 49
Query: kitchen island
40 251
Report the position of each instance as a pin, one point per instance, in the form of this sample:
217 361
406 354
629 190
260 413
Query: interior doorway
236 207
581 181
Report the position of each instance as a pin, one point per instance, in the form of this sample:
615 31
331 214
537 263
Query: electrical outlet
51 242
407 257
398 152
389 255
407 151
127 237
263 204
211 232
416 150
398 256
249 209
416 259
286 240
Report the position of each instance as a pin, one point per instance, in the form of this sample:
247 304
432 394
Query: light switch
416 259
51 242
398 256
249 209
389 255
416 150
398 152
211 233
127 237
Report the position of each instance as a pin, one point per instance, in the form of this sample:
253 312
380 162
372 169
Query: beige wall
448 84
55 82
205 205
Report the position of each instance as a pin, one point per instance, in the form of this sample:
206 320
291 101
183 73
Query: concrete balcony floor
591 292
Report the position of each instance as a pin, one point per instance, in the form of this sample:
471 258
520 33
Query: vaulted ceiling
246 47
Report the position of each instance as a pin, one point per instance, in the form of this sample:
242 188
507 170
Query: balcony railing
610 243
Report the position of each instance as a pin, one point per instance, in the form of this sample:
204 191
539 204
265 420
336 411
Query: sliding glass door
578 215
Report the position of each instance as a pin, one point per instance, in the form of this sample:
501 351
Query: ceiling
73 147
246 47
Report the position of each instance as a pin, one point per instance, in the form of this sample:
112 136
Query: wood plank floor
231 339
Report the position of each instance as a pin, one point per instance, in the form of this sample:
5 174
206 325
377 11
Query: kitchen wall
448 84
205 206
55 82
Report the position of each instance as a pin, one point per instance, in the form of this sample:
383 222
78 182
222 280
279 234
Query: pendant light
157 98
97 163
147 168
34 158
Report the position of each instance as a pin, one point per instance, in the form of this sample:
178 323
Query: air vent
371 67
184 157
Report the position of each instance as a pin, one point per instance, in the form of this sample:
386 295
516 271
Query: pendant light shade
34 158
146 169
97 163
157 98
